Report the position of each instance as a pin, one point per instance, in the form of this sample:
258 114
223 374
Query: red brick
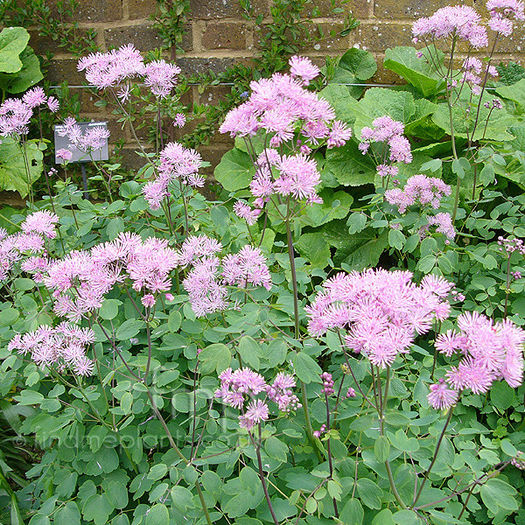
208 9
141 8
330 38
61 70
144 37
224 35
324 8
197 66
397 9
102 11
380 36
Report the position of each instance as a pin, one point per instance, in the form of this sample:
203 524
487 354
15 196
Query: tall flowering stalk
293 122
248 392
462 25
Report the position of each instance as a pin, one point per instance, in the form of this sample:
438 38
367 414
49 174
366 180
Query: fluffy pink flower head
240 389
105 70
443 221
41 222
249 266
161 77
246 212
441 397
91 139
462 22
62 347
419 189
489 351
387 134
503 13
303 68
176 163
378 312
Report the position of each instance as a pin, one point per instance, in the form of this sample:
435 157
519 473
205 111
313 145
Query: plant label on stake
63 144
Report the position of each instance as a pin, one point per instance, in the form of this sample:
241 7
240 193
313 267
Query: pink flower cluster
503 13
419 189
87 141
489 351
282 107
80 280
108 70
36 228
443 221
472 73
62 347
379 311
389 132
16 113
511 245
462 22
297 178
207 281
240 388
176 163
328 383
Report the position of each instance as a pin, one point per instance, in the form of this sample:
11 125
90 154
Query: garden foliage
337 338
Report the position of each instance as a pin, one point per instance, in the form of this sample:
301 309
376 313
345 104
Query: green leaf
406 517
307 370
276 449
8 316
13 40
14 175
460 166
174 320
356 223
367 254
125 402
182 499
382 449
215 358
370 493
67 515
396 239
109 309
502 395
29 397
115 226
249 350
377 102
497 494
417 71
335 205
314 248
352 512
157 471
360 64
129 328
514 92
97 508
157 515
349 166
341 99
28 76
498 126
235 170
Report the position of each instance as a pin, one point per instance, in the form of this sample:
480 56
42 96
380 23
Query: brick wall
218 36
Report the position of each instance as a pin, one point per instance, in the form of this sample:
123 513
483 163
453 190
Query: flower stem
427 473
257 446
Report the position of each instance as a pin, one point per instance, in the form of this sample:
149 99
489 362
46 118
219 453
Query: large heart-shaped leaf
20 166
13 40
26 77
416 70
235 170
